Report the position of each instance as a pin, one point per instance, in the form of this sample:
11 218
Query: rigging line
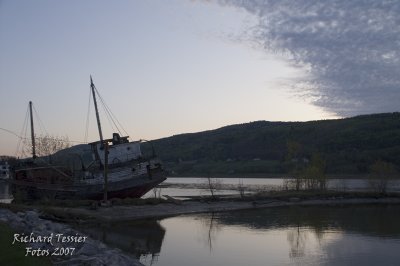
109 116
15 134
23 129
87 119
106 112
23 141
11 132
103 104
41 124
106 109
110 121
113 116
27 141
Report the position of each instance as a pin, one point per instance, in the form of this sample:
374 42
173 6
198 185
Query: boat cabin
120 151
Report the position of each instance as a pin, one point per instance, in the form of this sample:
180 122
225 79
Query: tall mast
97 112
32 132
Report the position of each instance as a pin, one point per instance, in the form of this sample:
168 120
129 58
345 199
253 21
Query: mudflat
127 213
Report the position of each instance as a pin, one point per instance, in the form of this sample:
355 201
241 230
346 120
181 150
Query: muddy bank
128 213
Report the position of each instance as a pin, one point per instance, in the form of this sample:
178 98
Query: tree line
348 146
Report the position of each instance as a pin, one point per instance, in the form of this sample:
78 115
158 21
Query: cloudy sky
350 48
171 67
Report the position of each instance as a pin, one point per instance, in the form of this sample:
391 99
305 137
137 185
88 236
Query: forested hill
348 146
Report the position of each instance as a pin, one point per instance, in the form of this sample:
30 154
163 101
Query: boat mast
103 144
97 112
32 132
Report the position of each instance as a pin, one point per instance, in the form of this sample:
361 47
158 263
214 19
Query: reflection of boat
109 168
141 238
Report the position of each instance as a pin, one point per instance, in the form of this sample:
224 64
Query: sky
180 66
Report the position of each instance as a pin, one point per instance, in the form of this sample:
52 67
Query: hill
349 146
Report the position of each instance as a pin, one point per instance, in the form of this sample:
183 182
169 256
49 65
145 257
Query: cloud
351 49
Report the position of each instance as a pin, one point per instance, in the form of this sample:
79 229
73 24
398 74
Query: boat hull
134 187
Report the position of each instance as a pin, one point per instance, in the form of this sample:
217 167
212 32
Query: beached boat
108 168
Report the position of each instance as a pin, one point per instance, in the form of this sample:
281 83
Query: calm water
347 235
186 187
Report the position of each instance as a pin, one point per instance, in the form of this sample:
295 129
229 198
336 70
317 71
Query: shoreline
174 208
268 176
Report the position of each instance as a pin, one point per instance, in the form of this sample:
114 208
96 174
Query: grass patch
15 254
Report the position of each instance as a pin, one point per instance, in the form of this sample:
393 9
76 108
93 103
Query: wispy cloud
351 49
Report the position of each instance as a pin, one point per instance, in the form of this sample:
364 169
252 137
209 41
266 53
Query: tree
241 188
213 184
314 173
380 174
46 144
295 163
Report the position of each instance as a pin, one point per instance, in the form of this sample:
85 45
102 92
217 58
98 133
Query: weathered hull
127 188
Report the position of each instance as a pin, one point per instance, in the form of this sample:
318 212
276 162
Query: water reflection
211 228
318 235
297 239
143 239
329 235
362 219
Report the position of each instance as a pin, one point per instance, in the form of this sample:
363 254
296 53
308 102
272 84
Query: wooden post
97 111
105 171
32 132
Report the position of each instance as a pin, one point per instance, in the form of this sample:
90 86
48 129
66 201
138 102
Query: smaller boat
107 168
4 170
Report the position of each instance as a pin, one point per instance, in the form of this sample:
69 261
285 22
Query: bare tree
241 188
47 144
293 157
381 173
213 184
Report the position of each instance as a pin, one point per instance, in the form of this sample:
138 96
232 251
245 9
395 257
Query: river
184 187
317 235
